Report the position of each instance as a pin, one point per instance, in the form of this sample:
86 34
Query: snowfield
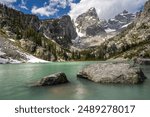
29 59
32 59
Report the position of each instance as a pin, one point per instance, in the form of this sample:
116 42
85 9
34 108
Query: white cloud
105 8
51 8
23 5
44 11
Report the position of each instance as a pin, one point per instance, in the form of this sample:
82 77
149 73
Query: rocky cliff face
60 30
121 20
88 24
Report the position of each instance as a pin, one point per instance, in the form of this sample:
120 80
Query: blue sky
56 8
59 8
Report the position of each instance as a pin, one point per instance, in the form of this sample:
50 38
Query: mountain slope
10 52
132 42
60 30
51 40
48 39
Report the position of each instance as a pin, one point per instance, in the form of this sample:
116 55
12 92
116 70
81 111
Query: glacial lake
16 80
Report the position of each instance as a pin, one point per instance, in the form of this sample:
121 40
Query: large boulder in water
112 73
53 79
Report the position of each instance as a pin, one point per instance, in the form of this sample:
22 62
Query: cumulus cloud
51 8
105 8
44 11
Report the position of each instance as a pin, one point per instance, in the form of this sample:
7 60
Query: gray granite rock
61 30
123 73
88 23
95 30
53 79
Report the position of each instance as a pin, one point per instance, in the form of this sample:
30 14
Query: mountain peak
92 12
86 20
121 20
125 12
92 9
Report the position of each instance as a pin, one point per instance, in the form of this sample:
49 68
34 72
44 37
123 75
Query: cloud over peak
105 8
44 11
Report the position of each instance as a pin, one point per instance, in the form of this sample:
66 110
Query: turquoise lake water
16 80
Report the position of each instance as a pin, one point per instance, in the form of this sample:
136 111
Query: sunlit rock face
89 24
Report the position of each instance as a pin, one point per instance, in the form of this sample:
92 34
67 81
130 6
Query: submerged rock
53 79
123 73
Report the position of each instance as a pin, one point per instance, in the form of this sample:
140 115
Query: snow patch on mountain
125 26
33 59
108 30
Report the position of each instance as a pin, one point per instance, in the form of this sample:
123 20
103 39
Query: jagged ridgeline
46 39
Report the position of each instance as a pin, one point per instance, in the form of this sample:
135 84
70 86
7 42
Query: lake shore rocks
123 73
53 79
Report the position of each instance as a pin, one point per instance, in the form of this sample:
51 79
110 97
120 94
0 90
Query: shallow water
16 80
